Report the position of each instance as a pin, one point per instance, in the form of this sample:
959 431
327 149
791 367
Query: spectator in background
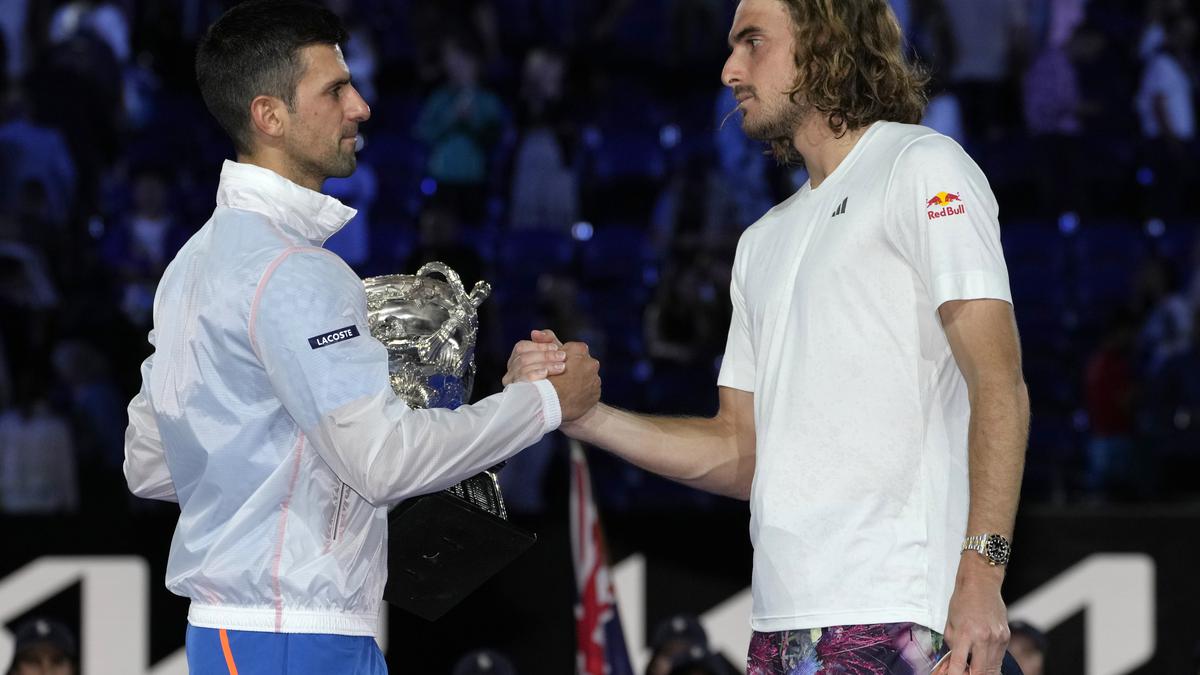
484 662
14 23
682 217
97 418
686 323
433 19
25 282
32 151
37 457
560 303
82 67
1165 313
696 31
1028 647
672 641
1165 105
1159 13
1108 392
932 39
988 39
43 647
461 122
1173 401
545 187
1054 110
141 244
440 237
104 20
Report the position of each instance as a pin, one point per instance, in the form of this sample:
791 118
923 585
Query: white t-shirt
1165 77
860 495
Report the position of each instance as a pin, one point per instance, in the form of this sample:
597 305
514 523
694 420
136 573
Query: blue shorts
238 652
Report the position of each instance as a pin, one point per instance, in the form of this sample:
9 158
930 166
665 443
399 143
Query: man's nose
359 111
731 73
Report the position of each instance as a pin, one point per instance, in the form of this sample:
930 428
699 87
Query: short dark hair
253 50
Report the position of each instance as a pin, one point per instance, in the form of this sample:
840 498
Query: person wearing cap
484 662
672 638
43 647
266 410
872 407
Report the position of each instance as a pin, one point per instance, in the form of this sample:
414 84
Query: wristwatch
993 547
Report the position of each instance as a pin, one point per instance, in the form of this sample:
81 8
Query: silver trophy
441 546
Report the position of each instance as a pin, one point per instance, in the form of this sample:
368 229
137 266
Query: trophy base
441 548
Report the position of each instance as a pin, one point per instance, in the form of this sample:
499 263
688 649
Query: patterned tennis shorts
872 649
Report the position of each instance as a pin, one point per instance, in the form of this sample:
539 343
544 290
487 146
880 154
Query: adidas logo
841 207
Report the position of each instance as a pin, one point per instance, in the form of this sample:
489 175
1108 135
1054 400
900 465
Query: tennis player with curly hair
872 406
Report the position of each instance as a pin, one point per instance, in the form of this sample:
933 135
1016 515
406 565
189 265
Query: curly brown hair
850 66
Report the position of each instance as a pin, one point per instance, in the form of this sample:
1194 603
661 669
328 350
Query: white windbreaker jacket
266 412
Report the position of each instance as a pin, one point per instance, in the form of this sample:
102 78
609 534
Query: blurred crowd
582 157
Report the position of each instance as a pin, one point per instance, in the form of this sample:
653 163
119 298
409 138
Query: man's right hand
579 386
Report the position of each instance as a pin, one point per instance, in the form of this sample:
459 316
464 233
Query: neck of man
822 149
279 163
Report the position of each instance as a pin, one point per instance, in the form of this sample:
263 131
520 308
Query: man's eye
336 91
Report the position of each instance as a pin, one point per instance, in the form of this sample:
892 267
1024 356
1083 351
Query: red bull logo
940 205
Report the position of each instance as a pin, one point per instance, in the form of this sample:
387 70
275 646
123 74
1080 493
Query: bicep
737 414
983 338
312 336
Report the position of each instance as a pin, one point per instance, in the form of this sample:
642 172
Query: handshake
573 372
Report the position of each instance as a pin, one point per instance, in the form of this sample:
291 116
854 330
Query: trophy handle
433 342
450 275
480 293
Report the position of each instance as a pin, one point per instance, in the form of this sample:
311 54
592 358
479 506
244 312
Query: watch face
997 550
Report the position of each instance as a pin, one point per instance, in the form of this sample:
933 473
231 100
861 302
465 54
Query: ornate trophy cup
441 546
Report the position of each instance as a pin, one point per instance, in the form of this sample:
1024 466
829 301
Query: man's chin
758 132
344 168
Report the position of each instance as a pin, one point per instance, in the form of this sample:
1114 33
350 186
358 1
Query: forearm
704 453
999 431
388 452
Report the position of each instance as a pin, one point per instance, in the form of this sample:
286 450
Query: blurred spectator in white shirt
989 37
37 457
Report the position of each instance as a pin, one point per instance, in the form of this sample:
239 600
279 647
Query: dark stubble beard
335 163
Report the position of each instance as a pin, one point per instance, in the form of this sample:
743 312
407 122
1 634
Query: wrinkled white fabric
266 412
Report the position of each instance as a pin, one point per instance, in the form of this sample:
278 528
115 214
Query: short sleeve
309 329
943 219
737 366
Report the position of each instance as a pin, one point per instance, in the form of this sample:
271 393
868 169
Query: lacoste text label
336 336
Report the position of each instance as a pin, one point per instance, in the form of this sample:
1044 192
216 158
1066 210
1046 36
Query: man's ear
269 115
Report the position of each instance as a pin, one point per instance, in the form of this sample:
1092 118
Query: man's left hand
536 359
977 625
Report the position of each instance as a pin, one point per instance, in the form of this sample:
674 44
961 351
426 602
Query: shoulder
920 145
920 158
311 268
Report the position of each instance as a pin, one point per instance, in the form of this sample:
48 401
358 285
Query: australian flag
600 643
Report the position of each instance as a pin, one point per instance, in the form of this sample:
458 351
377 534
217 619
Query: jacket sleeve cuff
551 411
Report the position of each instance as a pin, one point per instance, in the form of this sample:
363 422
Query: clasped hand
570 368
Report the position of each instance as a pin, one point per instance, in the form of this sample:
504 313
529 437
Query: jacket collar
296 210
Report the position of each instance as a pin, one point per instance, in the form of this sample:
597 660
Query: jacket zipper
337 515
